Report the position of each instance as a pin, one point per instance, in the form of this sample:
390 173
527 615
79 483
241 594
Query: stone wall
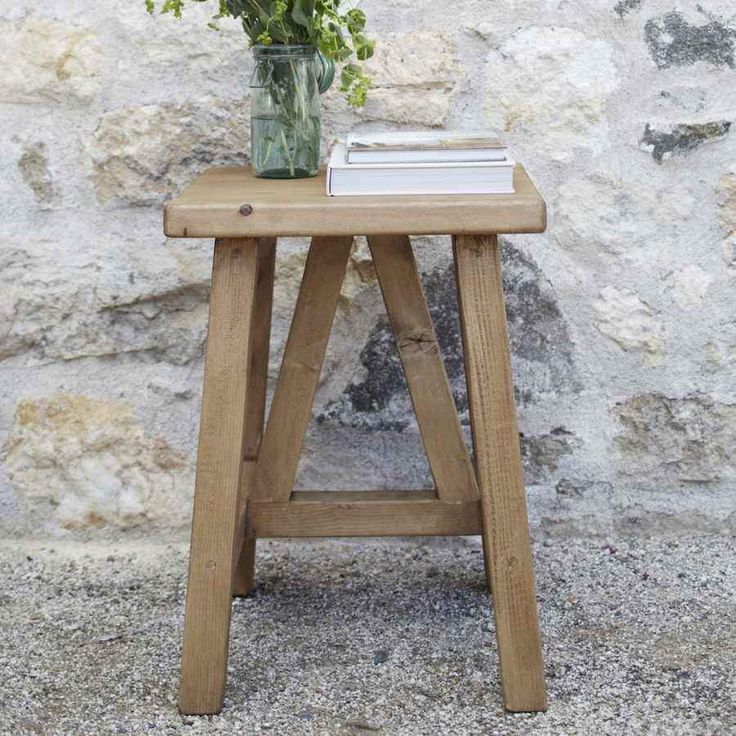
623 316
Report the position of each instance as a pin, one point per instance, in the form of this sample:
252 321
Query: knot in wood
418 341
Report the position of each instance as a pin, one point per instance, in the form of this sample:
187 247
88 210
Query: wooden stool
245 475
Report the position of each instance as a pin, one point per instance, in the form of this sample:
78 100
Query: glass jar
285 123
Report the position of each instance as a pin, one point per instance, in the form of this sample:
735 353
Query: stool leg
498 464
301 366
245 574
215 533
256 400
425 373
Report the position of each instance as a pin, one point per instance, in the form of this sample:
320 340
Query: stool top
231 202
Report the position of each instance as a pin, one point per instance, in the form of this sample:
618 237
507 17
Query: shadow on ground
377 637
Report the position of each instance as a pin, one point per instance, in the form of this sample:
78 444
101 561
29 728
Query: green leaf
343 53
303 13
354 21
348 75
173 6
363 47
355 83
336 33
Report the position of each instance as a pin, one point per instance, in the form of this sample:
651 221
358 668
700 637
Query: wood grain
245 571
217 484
498 462
426 377
291 407
244 577
210 207
245 540
363 514
260 342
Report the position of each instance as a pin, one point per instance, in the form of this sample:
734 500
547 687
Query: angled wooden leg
260 345
245 573
291 407
256 402
217 486
498 462
425 373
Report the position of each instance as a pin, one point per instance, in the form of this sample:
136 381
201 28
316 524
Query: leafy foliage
325 24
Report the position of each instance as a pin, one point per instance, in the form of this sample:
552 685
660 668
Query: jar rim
282 49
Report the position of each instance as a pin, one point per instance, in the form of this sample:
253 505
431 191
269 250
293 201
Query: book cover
422 141
472 177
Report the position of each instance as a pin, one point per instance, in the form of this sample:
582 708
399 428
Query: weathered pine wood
246 490
245 571
304 353
425 373
245 540
217 485
260 337
244 577
498 462
212 206
363 514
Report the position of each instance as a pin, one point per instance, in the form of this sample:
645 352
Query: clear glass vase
285 123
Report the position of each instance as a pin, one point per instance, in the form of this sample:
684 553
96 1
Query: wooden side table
245 475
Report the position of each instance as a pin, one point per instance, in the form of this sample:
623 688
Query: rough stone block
413 75
628 321
681 138
92 462
726 192
550 86
151 303
34 168
689 285
143 154
690 439
673 41
45 61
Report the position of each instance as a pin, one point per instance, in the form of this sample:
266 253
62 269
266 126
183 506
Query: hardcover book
423 147
469 177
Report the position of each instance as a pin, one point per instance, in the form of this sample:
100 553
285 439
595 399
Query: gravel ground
376 637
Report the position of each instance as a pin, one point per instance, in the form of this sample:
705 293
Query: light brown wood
246 495
245 475
425 372
245 541
291 407
498 462
244 577
260 337
363 514
217 485
211 207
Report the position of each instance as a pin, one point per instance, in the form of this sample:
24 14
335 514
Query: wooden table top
213 207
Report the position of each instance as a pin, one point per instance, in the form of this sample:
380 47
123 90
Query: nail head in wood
246 209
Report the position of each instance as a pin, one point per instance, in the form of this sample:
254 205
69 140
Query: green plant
337 32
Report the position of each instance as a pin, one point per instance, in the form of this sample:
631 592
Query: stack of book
420 163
